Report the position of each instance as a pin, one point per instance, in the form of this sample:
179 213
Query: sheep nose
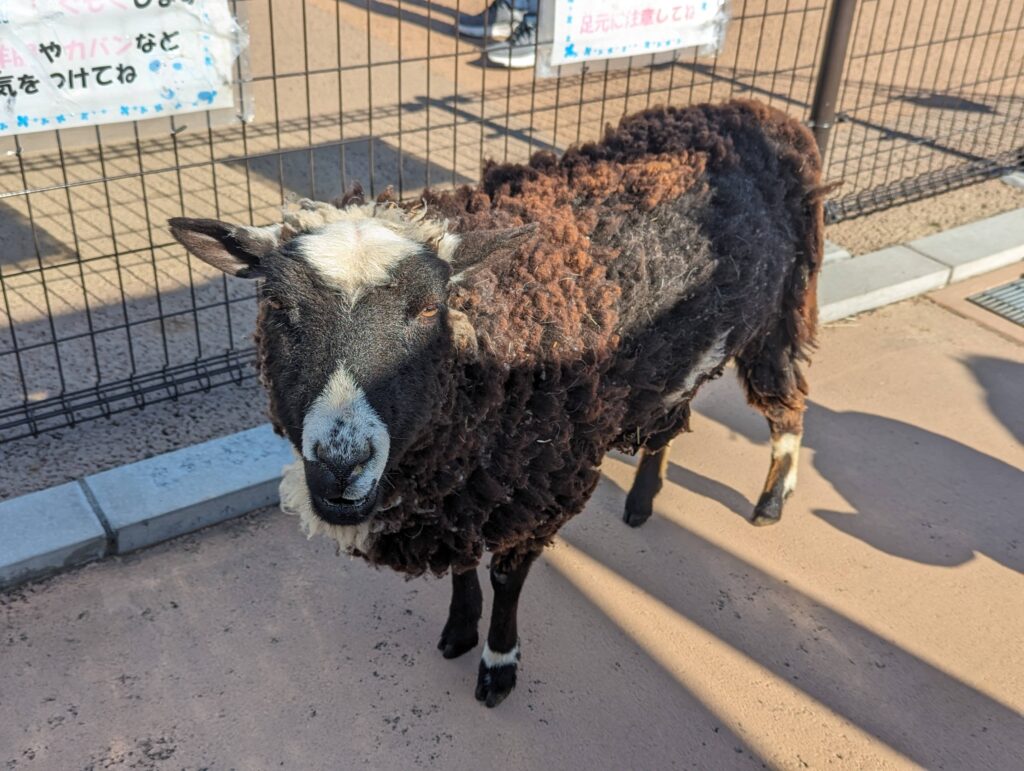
329 477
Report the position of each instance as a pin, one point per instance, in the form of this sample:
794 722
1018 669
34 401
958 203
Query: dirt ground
878 626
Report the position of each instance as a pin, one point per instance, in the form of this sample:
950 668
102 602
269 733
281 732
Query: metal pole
833 60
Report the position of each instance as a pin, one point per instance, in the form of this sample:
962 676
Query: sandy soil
878 626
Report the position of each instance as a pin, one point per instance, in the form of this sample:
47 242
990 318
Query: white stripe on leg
492 659
787 445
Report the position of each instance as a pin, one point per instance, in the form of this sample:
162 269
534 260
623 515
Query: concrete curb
143 503
139 504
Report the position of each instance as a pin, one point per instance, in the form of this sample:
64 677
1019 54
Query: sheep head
355 332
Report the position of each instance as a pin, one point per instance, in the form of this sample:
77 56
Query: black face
330 358
354 332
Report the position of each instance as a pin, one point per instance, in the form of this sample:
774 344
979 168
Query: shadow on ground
913 707
1003 382
931 499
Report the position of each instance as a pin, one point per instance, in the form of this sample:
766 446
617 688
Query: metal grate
1006 300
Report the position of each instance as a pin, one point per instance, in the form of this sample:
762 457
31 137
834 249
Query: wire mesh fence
102 312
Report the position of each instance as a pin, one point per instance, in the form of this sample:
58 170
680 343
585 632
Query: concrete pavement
877 626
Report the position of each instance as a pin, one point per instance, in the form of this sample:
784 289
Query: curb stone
181 491
143 503
976 248
834 252
47 531
876 279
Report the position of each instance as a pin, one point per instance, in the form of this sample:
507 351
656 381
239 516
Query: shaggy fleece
684 238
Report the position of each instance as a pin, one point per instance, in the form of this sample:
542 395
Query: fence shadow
21 241
324 173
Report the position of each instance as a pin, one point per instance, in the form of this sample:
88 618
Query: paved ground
878 625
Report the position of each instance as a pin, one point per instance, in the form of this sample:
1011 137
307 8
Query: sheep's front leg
497 675
650 475
460 633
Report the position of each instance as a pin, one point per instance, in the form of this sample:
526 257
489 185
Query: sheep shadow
912 493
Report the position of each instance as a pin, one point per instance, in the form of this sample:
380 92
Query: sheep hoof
455 641
637 511
768 510
493 684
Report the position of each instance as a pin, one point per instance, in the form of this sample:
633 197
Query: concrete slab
834 252
1016 179
181 491
979 247
47 531
876 279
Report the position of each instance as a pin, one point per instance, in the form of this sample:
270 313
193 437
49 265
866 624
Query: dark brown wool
680 228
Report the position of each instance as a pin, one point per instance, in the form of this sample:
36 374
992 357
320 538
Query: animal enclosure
102 312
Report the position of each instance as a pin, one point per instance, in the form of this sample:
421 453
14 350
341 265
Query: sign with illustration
606 29
68 63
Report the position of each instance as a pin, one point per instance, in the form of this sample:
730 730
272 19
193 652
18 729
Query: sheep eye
429 311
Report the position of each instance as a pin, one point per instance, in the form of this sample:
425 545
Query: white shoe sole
495 32
512 61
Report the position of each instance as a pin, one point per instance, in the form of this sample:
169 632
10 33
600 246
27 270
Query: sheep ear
235 249
478 245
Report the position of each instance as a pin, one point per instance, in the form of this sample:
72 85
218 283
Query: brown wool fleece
682 230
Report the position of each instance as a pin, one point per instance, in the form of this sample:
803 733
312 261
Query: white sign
67 63
606 29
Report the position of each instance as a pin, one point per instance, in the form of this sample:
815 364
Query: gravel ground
62 456
923 218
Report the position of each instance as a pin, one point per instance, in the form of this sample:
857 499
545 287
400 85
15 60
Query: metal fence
101 312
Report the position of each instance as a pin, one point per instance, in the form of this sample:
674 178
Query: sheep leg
460 631
646 484
787 431
497 675
776 387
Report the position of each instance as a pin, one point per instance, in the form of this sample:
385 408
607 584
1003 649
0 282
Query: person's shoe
520 50
497 21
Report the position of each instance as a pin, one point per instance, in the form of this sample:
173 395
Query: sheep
451 372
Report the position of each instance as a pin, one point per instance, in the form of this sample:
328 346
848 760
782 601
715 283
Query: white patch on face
355 254
787 445
492 659
295 500
344 425
708 362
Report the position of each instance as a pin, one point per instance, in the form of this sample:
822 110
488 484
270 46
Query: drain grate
1006 300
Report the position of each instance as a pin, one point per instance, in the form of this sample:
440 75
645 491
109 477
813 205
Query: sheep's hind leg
781 479
500 661
650 475
460 632
777 389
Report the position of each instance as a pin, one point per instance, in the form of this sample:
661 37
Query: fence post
833 60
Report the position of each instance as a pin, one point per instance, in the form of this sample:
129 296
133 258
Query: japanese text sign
605 29
66 63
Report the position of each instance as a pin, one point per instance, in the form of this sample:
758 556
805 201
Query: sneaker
497 21
520 50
